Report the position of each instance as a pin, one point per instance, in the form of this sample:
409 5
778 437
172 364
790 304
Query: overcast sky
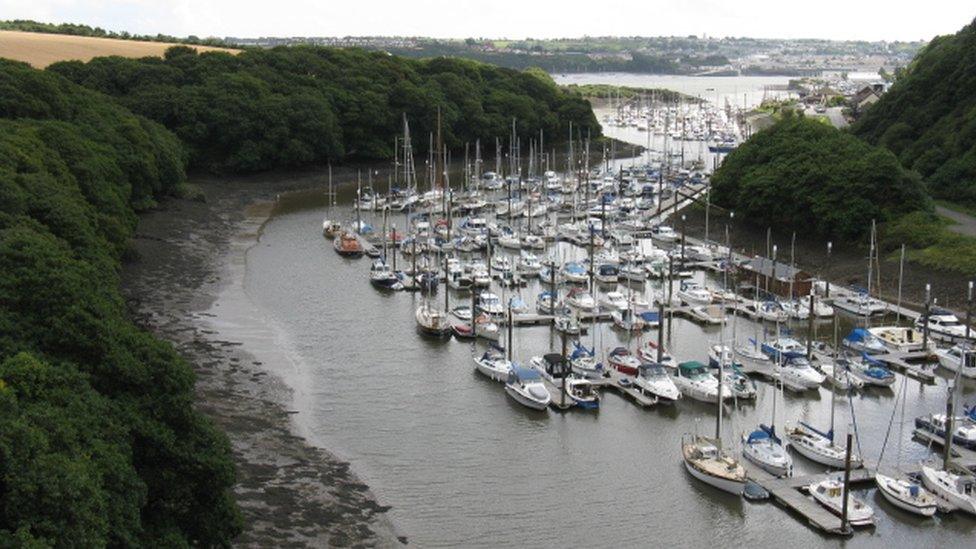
837 19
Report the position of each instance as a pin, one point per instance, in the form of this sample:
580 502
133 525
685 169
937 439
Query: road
965 223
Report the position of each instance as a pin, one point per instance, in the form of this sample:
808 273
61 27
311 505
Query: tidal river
462 465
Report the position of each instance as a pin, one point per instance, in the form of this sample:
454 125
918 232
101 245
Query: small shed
775 277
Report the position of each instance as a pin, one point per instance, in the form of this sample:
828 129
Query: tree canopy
99 443
928 117
801 175
297 105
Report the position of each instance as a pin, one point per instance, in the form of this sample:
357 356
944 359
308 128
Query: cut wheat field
40 50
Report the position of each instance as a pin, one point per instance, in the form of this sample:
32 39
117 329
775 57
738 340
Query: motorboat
819 447
347 244
432 322
483 326
627 320
766 450
956 357
574 273
694 381
493 364
653 379
580 299
525 386
501 264
633 272
704 461
797 374
860 304
558 371
607 274
479 275
510 241
707 314
869 370
830 493
734 378
906 494
963 432
615 300
798 309
944 325
623 361
693 293
863 341
899 338
664 233
955 487
490 304
382 276
752 359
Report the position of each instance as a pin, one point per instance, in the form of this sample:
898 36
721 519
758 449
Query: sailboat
330 226
706 461
899 489
764 448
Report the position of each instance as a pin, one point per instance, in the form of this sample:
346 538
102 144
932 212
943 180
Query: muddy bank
847 264
290 493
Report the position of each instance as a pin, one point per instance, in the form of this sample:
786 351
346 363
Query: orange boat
348 245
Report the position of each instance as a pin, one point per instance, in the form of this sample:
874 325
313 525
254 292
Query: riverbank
186 257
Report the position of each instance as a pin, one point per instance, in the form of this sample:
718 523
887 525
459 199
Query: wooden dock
962 457
916 364
791 494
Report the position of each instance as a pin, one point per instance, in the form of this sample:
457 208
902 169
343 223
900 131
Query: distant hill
41 49
928 118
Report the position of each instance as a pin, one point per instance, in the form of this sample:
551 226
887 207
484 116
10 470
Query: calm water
462 465
742 91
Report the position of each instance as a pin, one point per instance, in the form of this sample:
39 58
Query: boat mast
954 389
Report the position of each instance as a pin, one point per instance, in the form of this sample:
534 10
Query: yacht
652 379
607 274
528 264
766 450
347 244
382 276
830 494
860 304
584 363
525 386
546 303
963 432
819 447
906 495
956 488
648 353
432 322
633 272
493 364
490 304
956 357
664 233
693 293
694 381
898 338
615 300
627 320
768 310
574 273
944 325
568 325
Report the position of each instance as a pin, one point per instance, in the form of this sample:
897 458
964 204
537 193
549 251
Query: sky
833 19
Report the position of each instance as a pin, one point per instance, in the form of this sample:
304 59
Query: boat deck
612 381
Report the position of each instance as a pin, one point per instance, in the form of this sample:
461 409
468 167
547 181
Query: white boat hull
524 400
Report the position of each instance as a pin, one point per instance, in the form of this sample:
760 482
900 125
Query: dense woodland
291 106
928 118
802 175
99 443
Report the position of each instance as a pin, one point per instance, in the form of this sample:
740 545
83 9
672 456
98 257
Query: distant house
867 96
775 277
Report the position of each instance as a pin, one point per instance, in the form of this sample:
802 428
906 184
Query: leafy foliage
291 106
99 443
928 117
801 175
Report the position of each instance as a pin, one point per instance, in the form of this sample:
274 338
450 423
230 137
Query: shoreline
185 261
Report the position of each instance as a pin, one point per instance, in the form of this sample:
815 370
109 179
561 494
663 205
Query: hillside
928 118
41 50
293 106
804 176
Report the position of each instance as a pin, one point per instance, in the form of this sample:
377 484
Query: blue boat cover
650 316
